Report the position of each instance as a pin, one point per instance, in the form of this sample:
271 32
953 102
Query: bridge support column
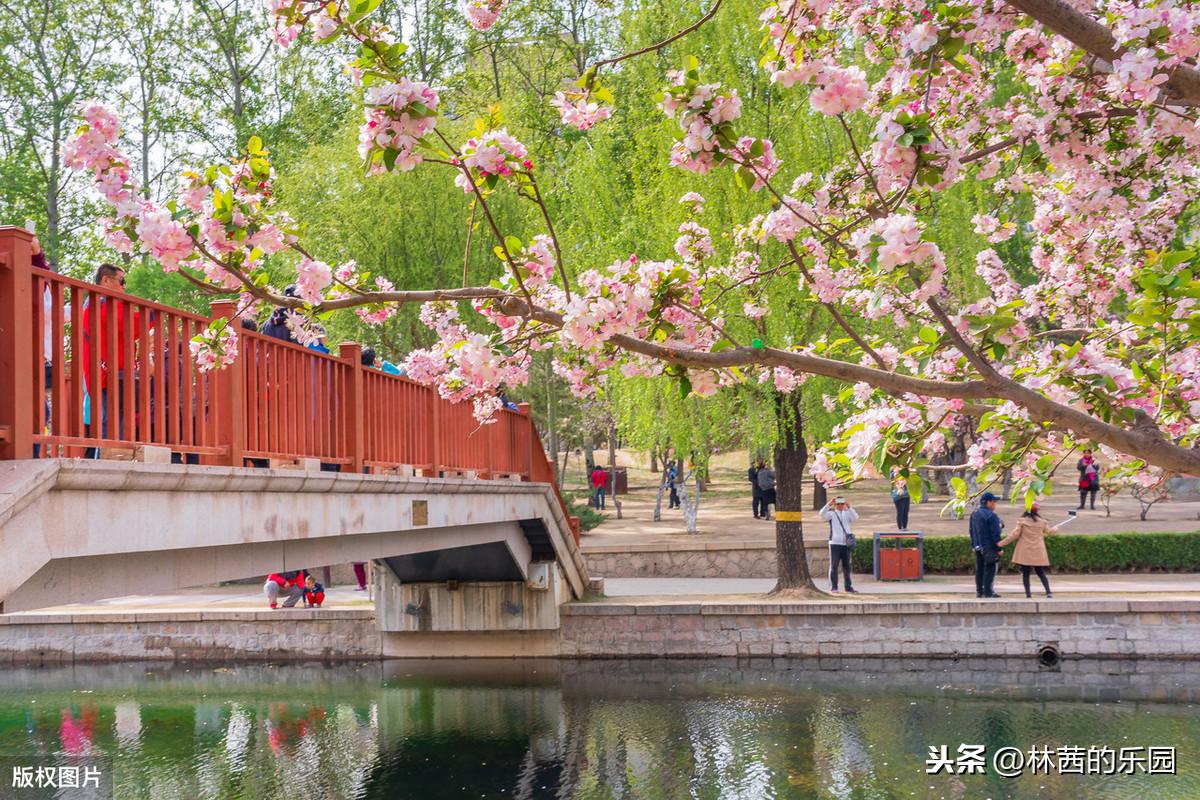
475 607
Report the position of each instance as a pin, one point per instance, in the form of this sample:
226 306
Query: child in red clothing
314 593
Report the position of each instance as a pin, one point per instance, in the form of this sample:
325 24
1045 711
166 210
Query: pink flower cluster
1135 76
464 365
94 148
216 346
704 114
397 116
840 90
694 243
763 166
493 153
580 109
483 14
311 279
995 230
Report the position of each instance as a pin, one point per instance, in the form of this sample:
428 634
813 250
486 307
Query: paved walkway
939 587
725 517
241 598
237 597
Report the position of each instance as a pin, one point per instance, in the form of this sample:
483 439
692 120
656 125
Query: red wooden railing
86 369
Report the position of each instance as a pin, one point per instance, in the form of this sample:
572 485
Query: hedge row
1117 552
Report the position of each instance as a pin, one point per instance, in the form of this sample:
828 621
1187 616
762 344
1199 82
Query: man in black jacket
985 528
276 325
755 492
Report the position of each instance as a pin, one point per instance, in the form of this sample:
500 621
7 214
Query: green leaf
916 487
959 486
255 146
361 8
928 335
513 244
603 95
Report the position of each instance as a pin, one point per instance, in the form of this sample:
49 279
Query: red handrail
84 368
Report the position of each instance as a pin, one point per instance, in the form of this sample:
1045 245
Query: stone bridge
124 469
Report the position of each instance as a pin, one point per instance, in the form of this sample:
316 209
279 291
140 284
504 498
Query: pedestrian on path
1089 478
841 517
902 501
360 575
765 477
1030 552
985 528
673 482
599 481
755 491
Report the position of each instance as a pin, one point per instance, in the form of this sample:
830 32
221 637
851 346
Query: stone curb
708 607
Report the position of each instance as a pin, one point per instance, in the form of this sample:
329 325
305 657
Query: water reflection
592 730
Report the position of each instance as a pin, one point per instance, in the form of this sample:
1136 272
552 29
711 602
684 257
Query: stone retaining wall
294 634
1152 629
1077 628
689 561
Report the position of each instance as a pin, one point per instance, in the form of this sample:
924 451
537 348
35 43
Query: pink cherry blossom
841 91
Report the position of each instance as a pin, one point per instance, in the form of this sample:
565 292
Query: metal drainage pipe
1049 655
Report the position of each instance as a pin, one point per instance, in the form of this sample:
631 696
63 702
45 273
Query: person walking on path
599 481
755 492
673 483
841 517
1030 552
985 527
360 575
1089 478
902 501
765 477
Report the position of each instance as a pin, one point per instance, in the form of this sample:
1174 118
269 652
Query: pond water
604 729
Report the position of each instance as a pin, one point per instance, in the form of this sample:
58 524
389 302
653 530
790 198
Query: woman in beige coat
1030 537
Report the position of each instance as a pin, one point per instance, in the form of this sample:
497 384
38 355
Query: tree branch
1183 83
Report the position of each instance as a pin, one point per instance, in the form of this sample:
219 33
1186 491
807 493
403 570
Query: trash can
619 482
899 556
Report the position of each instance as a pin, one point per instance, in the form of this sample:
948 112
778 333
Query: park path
243 598
725 517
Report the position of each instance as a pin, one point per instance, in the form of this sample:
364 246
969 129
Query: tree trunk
791 454
690 505
612 468
654 459
820 495
662 487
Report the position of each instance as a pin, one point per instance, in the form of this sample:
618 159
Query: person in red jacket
279 582
114 372
599 482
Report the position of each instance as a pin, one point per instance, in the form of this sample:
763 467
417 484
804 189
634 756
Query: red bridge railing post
354 403
435 427
231 389
530 437
17 386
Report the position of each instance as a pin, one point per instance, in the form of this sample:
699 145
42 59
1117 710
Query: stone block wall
712 561
294 634
1077 628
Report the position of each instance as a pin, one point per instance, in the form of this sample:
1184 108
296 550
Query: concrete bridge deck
77 530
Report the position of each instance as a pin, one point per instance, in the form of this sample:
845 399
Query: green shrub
588 516
1117 552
